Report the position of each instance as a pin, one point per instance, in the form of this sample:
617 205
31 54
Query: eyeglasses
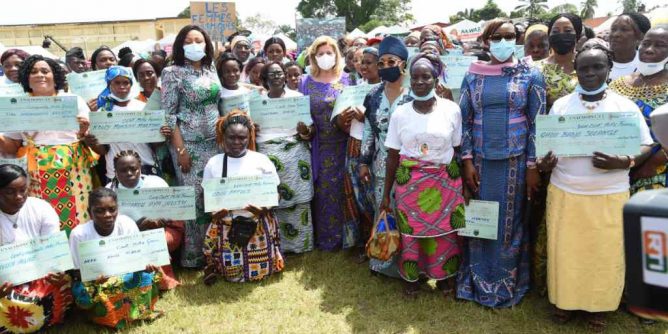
499 37
392 62
275 75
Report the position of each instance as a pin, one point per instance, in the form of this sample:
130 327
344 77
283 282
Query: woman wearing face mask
626 32
288 150
147 73
190 94
499 103
420 159
44 302
585 202
323 86
11 61
648 87
380 104
435 47
59 164
241 259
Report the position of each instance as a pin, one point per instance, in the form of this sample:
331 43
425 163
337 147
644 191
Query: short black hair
140 61
576 21
28 64
224 58
254 61
93 57
589 47
126 60
96 195
291 64
75 53
177 48
641 21
9 173
274 40
264 73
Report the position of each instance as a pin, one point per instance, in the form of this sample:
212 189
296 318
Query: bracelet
180 150
632 161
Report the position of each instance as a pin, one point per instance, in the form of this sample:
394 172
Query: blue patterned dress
499 104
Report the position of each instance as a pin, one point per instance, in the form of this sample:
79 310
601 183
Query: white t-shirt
251 164
269 134
144 150
35 219
55 137
429 137
623 69
224 92
578 175
145 181
124 225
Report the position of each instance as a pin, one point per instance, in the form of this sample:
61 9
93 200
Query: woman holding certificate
328 152
229 68
190 94
36 305
241 245
422 169
585 200
499 101
115 301
288 150
59 164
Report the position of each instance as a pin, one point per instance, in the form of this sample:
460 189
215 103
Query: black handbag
243 228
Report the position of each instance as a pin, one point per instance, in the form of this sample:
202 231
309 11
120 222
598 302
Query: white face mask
326 61
194 51
648 69
119 99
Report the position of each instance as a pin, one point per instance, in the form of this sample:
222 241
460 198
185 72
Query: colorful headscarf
443 38
535 27
104 101
435 67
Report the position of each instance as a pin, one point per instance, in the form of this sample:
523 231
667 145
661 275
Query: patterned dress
120 300
330 222
557 83
374 153
34 306
190 98
647 98
499 104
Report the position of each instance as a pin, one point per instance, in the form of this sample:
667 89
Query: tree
588 9
357 13
184 13
287 30
489 12
532 7
257 24
565 8
629 5
467 14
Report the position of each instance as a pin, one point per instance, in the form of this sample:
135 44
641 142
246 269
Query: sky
280 11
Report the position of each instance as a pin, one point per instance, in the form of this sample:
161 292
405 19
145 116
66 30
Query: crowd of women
409 151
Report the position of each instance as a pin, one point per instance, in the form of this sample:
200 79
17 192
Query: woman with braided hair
226 255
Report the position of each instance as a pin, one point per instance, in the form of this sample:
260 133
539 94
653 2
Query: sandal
596 322
562 316
411 289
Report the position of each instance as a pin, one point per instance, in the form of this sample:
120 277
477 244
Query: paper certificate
27 261
176 203
153 102
482 220
456 68
583 134
127 126
21 162
233 193
89 85
121 255
18 114
283 113
351 96
241 102
12 90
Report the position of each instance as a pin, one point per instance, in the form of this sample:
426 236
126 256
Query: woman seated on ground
127 165
421 159
147 73
115 301
585 201
33 306
240 260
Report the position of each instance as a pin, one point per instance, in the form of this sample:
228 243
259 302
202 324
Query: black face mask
390 74
563 43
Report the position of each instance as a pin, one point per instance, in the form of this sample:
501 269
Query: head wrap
435 67
104 100
535 27
14 52
393 46
370 50
596 41
415 34
437 44
75 52
237 39
641 21
445 41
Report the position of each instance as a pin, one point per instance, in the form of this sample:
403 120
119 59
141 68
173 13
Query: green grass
328 293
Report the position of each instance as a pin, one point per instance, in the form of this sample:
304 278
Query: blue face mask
503 49
580 90
427 97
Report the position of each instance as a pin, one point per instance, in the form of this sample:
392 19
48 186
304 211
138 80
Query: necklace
12 218
590 106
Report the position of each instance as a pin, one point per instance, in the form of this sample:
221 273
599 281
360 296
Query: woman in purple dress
329 137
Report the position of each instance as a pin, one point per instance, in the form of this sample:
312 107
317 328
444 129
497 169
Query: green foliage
532 7
287 30
629 5
588 9
565 8
359 13
489 12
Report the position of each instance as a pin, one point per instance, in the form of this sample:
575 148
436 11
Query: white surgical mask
116 98
648 69
194 51
326 61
